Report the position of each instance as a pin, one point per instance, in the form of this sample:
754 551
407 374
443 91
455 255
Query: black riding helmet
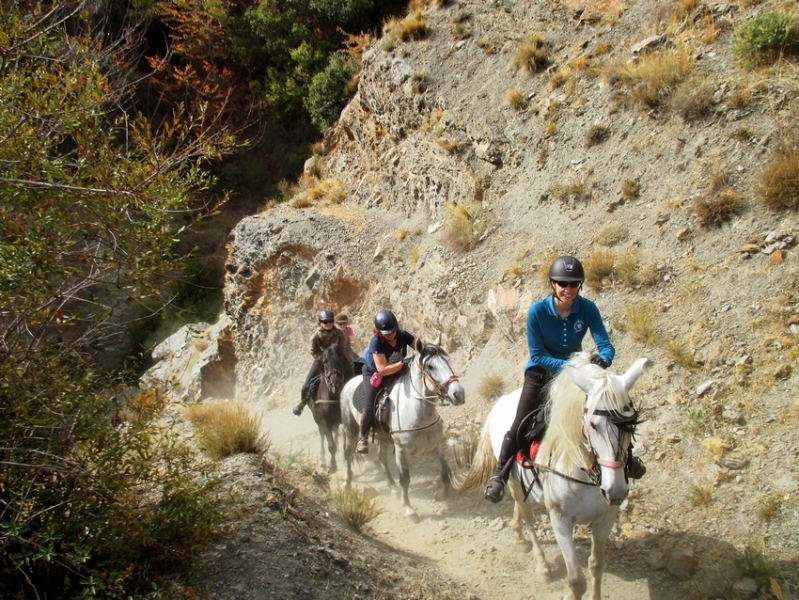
386 322
326 315
566 268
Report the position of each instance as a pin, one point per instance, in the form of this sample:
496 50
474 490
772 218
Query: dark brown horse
324 403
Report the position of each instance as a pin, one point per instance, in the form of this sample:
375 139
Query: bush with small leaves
764 39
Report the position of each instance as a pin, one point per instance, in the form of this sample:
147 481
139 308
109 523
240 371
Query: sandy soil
468 539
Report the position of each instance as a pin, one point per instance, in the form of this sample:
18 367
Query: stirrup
495 490
363 446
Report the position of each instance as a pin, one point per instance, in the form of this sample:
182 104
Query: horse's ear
437 341
587 384
632 374
418 345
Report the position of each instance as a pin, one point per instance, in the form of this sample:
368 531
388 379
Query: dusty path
470 539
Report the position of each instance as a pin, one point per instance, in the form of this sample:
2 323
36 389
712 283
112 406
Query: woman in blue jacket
556 326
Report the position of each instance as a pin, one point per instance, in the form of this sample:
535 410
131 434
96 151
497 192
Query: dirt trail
469 539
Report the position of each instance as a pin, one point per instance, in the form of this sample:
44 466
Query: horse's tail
482 465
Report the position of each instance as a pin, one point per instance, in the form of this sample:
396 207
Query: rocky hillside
512 131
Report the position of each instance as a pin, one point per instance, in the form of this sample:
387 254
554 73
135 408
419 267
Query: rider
556 326
388 346
343 323
325 336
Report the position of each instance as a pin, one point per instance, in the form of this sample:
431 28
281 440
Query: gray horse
415 425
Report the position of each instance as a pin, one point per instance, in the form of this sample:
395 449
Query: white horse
416 426
580 466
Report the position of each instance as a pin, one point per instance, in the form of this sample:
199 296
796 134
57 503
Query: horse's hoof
543 576
440 495
523 546
411 514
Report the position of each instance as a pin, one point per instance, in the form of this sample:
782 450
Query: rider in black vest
323 338
382 358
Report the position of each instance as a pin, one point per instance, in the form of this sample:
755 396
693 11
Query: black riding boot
495 489
297 410
635 467
367 417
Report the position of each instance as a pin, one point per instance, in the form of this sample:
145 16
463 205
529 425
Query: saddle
382 409
529 435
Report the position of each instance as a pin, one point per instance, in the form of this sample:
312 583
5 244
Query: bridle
430 383
624 424
440 396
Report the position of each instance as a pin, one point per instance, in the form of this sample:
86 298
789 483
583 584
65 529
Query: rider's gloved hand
406 363
597 360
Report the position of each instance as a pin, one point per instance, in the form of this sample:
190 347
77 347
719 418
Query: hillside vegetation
655 141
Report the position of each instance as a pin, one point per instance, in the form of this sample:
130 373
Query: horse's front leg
563 527
331 446
403 464
523 513
600 532
323 433
446 475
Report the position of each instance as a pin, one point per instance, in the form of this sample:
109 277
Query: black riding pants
369 397
316 370
535 378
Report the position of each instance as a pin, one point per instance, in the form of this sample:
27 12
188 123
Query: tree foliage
92 197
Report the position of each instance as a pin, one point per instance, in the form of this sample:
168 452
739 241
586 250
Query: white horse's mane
563 442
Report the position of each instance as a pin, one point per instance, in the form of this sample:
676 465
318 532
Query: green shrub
330 90
766 38
753 563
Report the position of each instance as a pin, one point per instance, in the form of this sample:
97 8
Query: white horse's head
432 365
608 423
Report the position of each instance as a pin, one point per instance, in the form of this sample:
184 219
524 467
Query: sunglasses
328 322
571 284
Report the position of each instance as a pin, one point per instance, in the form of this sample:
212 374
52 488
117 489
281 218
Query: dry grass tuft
531 55
630 189
598 265
716 448
356 508
611 234
596 134
545 260
516 99
412 27
576 190
458 234
741 95
451 146
226 428
692 99
700 496
639 323
680 353
401 233
779 179
654 75
490 386
713 209
626 267
769 508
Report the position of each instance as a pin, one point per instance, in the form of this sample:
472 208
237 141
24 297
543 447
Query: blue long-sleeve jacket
551 340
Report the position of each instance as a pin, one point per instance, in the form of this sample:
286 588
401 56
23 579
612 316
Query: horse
415 425
579 471
324 403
